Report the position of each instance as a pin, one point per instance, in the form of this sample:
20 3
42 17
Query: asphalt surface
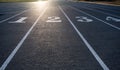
59 35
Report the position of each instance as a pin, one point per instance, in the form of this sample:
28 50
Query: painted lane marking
21 20
7 61
101 11
96 18
100 61
101 4
83 19
14 16
54 19
109 18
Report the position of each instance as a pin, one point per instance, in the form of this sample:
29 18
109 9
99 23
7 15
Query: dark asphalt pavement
59 35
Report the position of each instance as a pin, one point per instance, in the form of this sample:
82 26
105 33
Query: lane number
54 19
21 20
109 18
83 19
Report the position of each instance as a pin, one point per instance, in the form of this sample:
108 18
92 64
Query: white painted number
54 19
21 20
109 18
83 19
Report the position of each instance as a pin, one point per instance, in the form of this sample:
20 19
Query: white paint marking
96 18
21 20
7 61
83 19
102 12
103 65
13 16
54 19
100 3
109 18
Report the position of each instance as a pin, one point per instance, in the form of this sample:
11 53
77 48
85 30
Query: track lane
102 37
57 45
11 33
52 46
103 8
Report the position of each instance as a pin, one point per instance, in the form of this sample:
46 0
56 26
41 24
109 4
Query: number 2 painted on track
83 19
54 19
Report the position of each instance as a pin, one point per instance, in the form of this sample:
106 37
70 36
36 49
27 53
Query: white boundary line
108 10
7 61
14 16
102 12
103 4
102 64
96 18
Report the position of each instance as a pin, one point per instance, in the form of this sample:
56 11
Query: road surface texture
59 35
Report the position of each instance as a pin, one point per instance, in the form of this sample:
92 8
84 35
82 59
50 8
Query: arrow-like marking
21 20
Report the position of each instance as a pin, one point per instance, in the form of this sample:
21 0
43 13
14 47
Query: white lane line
101 4
100 61
96 18
14 16
110 10
7 61
109 14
